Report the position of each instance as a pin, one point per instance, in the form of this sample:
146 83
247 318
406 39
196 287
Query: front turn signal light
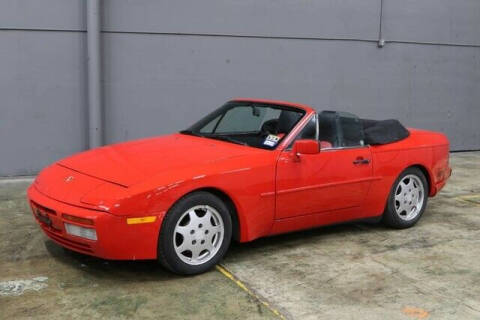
78 219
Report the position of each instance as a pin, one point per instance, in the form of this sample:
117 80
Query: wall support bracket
381 40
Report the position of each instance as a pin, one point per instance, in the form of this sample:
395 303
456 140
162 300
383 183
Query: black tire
168 257
390 216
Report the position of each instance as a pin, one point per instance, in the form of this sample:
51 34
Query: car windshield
247 123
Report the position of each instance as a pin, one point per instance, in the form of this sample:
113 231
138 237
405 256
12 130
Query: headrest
287 120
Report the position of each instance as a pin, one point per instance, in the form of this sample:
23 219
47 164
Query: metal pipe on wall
95 112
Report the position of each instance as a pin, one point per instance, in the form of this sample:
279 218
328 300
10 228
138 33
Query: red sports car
251 168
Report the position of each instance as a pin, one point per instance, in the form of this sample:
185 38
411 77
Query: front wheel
407 200
195 234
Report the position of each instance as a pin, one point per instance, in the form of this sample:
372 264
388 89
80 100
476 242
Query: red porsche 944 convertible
251 168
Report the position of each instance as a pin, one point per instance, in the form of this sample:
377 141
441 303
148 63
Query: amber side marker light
149 219
77 219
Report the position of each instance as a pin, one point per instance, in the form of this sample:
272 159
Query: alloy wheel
409 197
198 234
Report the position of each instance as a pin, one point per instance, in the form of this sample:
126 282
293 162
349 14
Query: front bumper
446 174
116 239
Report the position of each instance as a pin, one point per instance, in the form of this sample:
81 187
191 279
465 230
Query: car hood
132 162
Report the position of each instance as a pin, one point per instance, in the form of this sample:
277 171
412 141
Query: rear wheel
195 234
407 200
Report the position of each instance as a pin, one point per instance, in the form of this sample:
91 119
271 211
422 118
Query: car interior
256 124
278 126
335 130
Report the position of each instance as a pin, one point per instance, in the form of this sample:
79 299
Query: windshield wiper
226 138
192 133
223 138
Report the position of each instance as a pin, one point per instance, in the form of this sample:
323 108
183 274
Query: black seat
327 128
287 120
309 131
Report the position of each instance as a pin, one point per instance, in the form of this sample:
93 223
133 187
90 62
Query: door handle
361 161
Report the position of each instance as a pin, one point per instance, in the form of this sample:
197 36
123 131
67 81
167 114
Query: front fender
251 189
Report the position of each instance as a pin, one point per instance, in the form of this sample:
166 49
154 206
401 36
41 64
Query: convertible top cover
383 131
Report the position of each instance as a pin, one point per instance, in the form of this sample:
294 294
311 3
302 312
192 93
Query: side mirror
305 147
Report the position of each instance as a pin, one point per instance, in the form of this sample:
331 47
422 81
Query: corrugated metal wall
166 63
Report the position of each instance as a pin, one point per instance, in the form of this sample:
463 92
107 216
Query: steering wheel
269 127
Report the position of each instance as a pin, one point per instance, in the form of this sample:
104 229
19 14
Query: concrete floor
355 271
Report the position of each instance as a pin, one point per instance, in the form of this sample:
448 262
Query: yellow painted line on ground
239 283
470 199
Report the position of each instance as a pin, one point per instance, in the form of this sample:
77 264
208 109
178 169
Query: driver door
336 178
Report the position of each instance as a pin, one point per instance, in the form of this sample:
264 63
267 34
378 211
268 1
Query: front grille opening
74 245
44 209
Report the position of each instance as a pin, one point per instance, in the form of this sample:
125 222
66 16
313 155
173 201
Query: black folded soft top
383 131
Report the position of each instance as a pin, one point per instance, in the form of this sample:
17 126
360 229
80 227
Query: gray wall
166 63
